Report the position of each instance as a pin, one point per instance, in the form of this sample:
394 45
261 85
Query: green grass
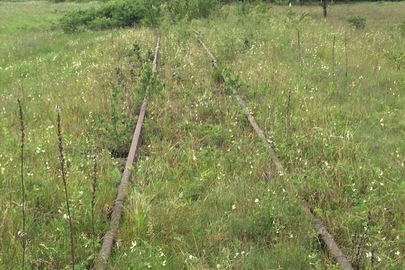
334 141
205 194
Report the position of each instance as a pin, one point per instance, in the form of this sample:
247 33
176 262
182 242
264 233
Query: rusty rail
323 232
109 237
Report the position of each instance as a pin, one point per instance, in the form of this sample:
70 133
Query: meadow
204 193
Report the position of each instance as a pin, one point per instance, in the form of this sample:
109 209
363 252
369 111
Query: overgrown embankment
204 196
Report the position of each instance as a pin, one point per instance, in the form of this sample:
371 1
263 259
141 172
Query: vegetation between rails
204 194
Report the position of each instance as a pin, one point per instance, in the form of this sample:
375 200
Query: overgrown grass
204 194
79 73
339 136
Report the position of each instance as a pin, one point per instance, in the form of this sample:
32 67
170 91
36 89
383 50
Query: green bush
114 13
126 13
100 23
77 19
357 21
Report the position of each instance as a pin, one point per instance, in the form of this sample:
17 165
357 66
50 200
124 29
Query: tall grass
63 173
23 234
205 194
47 63
331 146
93 202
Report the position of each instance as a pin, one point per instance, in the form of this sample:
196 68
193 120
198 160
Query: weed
23 230
149 81
233 84
357 21
93 201
63 176
397 58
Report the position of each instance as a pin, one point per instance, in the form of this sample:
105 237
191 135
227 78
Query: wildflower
133 246
256 200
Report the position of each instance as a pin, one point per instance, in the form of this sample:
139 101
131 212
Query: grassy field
204 194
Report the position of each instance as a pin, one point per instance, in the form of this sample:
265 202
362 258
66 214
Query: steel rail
321 229
109 237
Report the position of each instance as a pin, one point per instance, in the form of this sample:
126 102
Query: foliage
78 19
397 58
357 21
125 99
190 9
114 13
126 13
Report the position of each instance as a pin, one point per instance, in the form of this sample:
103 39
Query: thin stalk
333 55
346 62
298 39
287 116
63 174
24 242
93 199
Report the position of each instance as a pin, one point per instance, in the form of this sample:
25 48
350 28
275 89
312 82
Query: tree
325 12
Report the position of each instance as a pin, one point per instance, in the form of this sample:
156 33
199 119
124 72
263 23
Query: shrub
125 13
100 23
357 21
77 19
114 13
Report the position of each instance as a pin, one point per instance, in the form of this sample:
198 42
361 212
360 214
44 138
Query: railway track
321 229
110 235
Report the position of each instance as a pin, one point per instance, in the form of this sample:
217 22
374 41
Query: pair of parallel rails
109 237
